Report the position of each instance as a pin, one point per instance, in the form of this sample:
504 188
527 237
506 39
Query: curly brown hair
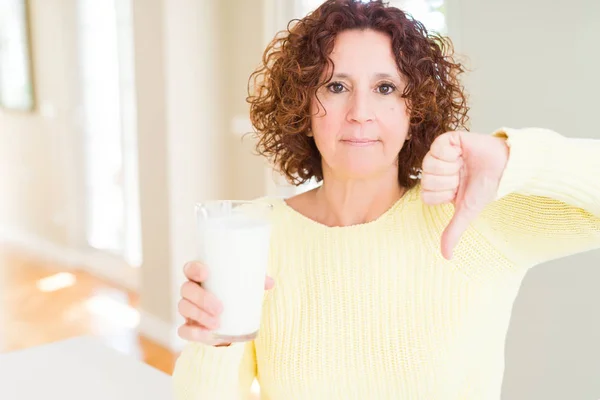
292 71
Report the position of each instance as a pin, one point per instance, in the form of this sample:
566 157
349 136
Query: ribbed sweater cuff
207 371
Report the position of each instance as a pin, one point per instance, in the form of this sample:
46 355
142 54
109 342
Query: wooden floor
42 303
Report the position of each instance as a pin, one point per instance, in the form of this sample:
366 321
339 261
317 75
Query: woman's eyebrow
379 75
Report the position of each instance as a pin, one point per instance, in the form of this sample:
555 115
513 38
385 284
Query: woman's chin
363 171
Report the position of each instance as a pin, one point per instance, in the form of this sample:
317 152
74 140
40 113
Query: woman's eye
335 87
386 88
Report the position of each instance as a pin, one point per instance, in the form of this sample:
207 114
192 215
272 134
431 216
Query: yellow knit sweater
373 311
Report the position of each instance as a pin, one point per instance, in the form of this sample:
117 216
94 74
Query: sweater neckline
410 195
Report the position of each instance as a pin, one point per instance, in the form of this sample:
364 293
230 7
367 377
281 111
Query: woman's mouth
359 142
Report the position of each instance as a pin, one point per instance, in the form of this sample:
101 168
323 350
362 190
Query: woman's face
366 120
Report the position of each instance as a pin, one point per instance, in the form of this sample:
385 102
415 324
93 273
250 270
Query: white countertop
77 369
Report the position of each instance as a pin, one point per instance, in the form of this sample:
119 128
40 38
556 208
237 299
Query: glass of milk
234 239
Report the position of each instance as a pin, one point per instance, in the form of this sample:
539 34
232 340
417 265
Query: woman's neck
344 202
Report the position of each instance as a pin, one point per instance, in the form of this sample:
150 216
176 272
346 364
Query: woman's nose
360 108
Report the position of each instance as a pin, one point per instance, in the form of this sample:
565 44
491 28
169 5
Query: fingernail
186 267
188 270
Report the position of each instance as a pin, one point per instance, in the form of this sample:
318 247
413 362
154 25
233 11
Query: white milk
235 250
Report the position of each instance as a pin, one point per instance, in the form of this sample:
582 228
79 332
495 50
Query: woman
396 277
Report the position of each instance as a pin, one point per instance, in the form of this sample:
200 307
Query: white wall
535 63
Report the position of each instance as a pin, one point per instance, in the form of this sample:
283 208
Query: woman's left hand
465 169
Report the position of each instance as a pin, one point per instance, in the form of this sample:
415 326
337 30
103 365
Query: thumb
455 229
471 199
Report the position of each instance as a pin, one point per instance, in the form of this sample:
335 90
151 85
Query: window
109 130
428 12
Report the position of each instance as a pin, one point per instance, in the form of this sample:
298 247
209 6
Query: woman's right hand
200 308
